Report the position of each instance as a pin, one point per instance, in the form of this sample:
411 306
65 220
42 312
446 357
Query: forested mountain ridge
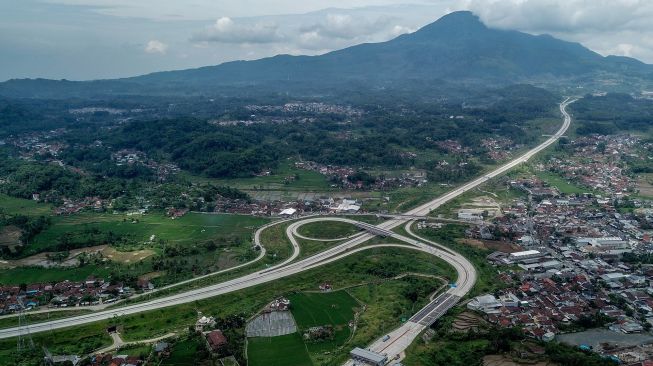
456 48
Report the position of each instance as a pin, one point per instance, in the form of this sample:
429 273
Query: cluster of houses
38 143
452 147
582 257
131 156
115 360
306 107
498 148
599 163
543 306
327 205
71 206
573 225
340 175
92 291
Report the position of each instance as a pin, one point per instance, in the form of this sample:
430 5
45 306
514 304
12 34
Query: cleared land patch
126 257
10 237
645 185
272 324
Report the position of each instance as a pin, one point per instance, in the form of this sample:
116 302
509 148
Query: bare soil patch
645 185
151 275
42 260
467 321
126 257
501 360
10 236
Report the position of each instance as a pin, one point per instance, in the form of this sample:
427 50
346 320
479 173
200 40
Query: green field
563 185
302 180
135 231
17 276
327 230
287 350
312 309
11 205
183 353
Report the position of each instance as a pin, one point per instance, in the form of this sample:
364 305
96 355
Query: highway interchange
401 337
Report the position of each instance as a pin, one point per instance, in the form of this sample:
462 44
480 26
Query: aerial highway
399 338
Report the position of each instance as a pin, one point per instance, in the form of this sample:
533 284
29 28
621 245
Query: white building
347 206
470 214
288 212
485 303
525 255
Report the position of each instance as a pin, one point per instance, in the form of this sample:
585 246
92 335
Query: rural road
399 338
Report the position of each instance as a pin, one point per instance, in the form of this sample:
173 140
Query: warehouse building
524 256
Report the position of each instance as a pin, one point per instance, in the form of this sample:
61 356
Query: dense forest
378 139
387 132
612 113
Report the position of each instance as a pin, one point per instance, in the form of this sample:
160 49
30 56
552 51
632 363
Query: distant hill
456 48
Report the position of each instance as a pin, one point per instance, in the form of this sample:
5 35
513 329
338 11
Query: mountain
456 48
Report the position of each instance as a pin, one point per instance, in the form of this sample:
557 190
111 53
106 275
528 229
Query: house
204 322
215 340
162 348
145 284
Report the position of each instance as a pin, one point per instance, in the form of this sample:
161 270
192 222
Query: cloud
226 30
565 15
621 27
398 30
155 46
346 26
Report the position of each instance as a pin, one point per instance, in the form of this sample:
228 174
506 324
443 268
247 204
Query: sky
97 39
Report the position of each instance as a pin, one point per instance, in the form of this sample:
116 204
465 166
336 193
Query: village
583 259
65 294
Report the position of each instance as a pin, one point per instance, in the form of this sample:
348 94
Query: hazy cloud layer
83 39
619 27
155 46
226 30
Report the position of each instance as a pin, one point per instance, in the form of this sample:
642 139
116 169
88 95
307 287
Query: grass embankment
328 230
487 275
40 317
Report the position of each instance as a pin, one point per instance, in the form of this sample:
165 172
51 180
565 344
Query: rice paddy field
278 351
